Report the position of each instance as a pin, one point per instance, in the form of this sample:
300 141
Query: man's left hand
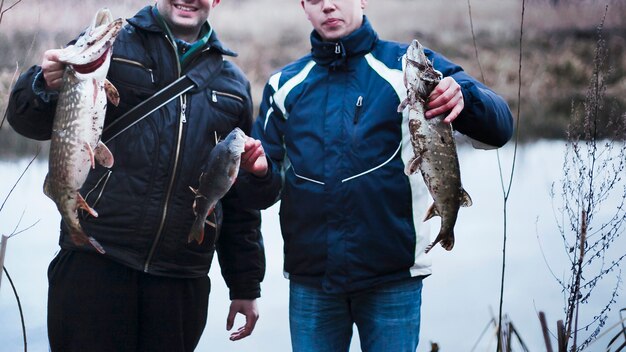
249 309
253 158
447 97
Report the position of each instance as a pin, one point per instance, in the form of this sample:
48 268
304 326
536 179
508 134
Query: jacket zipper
135 63
215 93
357 110
182 119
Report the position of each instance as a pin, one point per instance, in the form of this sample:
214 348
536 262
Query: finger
230 320
440 89
55 84
438 98
253 156
443 104
251 144
455 112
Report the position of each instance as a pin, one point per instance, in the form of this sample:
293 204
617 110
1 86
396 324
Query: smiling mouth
185 8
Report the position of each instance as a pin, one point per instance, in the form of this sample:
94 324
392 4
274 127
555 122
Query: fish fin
431 212
95 244
466 200
403 104
413 165
112 94
103 155
46 187
82 204
91 154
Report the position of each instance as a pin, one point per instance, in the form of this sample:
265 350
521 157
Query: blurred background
462 296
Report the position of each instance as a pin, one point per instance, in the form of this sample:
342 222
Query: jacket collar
145 20
337 54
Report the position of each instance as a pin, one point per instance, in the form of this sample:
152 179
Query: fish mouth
92 66
94 44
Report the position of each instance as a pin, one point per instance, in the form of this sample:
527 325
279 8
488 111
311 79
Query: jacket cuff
40 90
245 291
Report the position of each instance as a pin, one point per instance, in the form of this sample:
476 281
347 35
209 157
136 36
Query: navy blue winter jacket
144 201
350 217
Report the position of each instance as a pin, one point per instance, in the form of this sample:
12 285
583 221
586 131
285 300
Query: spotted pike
218 175
433 146
75 143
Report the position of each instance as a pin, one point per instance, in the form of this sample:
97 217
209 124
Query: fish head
91 52
419 72
235 142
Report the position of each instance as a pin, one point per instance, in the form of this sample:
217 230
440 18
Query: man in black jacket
149 291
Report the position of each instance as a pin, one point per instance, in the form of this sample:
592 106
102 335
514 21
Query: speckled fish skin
75 142
434 147
218 175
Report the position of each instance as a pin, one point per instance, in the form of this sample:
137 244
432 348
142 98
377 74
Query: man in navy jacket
149 292
351 219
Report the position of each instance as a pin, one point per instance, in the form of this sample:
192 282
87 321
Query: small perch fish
433 146
218 175
75 142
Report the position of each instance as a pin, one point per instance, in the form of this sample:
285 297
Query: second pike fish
218 175
75 142
433 146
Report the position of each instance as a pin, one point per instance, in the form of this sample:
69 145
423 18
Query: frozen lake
459 299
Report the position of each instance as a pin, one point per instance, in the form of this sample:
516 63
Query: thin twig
8 8
19 306
480 67
19 178
506 191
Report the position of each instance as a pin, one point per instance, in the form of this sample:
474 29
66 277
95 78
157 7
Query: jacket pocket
132 73
226 111
94 194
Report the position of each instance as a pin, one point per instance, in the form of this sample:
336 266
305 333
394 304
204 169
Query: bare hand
447 97
52 69
249 309
253 158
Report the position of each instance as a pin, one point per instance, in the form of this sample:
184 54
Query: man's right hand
52 69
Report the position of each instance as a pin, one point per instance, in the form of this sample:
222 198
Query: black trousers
95 304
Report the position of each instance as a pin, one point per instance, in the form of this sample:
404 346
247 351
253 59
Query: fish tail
446 238
197 231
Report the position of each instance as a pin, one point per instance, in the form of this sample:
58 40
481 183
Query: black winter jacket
144 201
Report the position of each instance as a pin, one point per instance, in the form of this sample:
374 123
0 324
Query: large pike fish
433 146
218 175
75 144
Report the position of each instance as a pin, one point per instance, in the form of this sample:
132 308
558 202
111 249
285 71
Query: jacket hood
337 54
145 20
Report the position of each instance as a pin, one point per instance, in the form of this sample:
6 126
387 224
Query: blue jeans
387 317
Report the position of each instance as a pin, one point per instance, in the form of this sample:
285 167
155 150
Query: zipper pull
357 111
151 75
337 48
214 97
183 108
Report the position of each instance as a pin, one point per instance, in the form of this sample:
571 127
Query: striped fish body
434 147
218 175
75 143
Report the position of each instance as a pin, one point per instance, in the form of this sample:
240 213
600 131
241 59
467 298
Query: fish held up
219 173
433 145
75 143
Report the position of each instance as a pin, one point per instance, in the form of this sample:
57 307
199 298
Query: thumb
230 320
